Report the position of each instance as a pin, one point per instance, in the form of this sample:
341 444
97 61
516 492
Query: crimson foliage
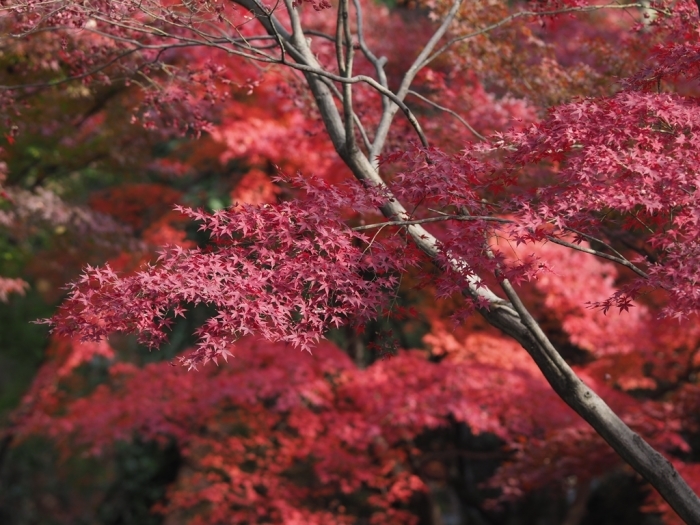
552 146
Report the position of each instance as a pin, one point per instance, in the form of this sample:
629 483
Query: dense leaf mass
263 178
280 271
340 430
627 161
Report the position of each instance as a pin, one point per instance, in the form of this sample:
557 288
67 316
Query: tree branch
431 219
344 41
454 114
656 469
378 63
356 119
620 260
389 113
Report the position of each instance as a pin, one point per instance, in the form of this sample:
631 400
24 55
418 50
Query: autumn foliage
320 214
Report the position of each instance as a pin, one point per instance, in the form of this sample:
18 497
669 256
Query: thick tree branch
358 123
656 469
431 219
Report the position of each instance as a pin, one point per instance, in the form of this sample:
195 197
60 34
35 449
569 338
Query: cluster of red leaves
286 272
283 437
290 438
572 282
627 163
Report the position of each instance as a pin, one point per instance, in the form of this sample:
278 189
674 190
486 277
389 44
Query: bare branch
355 117
447 110
320 34
389 113
371 82
344 40
296 45
432 219
378 63
620 260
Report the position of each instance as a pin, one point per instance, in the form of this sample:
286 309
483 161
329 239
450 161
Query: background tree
610 176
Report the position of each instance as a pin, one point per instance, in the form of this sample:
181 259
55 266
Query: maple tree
571 173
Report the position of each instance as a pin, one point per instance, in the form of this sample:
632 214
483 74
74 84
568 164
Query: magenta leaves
622 169
288 272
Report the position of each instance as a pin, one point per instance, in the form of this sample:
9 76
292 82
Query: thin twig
448 110
595 239
345 60
378 63
624 262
